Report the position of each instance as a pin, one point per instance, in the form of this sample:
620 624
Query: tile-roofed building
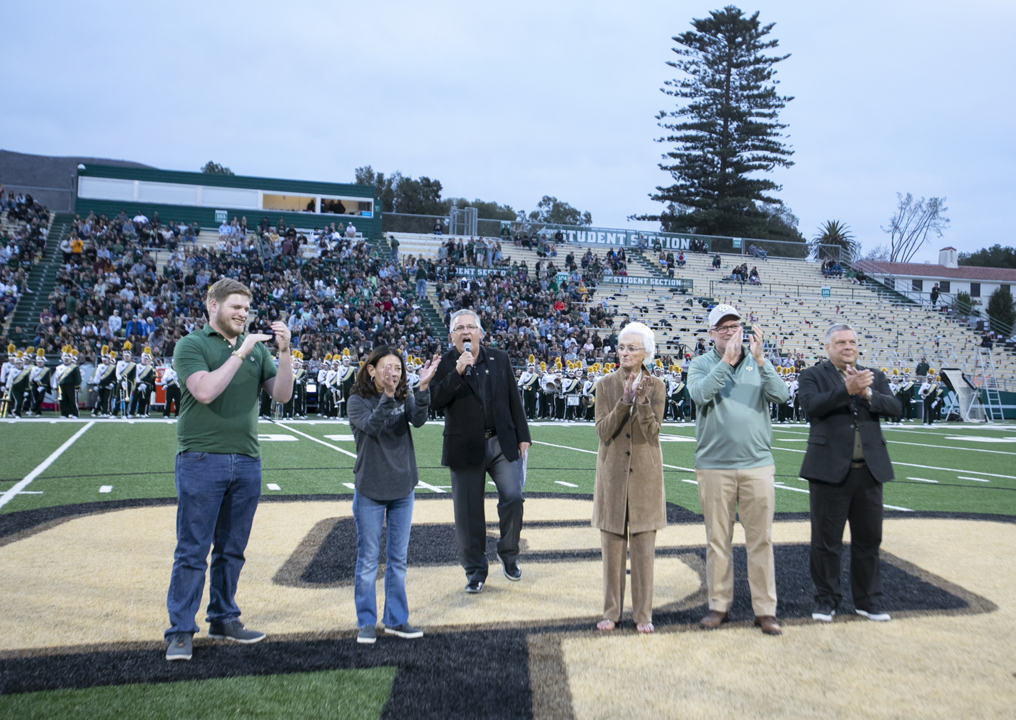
917 279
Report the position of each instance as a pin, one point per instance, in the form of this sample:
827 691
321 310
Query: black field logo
477 664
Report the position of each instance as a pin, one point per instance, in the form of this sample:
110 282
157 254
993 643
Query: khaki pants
615 550
751 494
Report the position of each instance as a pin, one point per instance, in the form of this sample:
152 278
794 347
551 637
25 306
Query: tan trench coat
629 464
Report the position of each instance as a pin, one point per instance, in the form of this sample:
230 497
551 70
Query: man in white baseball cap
734 463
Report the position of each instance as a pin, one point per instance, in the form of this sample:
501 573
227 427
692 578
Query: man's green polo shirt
229 423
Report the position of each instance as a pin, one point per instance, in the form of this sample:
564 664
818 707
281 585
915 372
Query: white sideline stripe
964 477
566 484
923 467
904 442
923 480
106 489
896 507
563 447
428 486
273 486
22 484
593 452
781 486
690 482
319 442
351 486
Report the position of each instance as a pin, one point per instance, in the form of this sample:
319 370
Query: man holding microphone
485 432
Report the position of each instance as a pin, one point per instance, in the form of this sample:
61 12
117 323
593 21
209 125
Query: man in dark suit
845 465
485 432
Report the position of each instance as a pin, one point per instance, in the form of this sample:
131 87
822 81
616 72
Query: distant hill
50 180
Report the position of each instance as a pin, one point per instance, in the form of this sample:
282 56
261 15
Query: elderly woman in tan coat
629 505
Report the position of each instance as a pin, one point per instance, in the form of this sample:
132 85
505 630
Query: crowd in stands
110 289
832 268
22 241
142 280
741 274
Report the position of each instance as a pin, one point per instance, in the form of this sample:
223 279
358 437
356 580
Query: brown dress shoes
713 619
769 625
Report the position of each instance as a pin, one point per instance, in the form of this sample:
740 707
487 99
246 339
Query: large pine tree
725 131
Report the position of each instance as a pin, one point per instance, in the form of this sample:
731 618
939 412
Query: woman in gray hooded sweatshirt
381 409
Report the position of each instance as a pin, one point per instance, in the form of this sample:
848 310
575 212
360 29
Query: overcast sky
512 101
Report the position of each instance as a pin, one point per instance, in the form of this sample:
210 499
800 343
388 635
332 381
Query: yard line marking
953 447
564 447
351 486
964 477
690 482
936 435
319 442
923 480
781 486
566 484
593 452
896 507
273 486
923 467
428 486
21 485
106 489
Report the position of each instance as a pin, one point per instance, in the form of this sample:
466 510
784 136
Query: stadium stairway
41 281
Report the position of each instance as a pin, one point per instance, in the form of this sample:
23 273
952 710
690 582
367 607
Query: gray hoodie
385 467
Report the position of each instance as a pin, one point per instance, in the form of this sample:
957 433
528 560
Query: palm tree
833 232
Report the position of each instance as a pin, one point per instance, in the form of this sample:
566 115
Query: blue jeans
369 517
421 288
217 496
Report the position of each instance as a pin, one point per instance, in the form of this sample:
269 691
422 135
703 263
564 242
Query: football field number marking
318 441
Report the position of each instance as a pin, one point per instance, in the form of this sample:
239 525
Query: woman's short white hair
645 335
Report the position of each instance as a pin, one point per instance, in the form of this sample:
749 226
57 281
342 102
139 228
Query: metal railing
945 299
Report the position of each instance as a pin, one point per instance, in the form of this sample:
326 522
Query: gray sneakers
367 635
181 647
405 630
235 631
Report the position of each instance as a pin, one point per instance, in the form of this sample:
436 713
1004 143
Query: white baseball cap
721 311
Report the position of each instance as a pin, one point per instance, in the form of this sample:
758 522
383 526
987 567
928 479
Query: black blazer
823 396
464 444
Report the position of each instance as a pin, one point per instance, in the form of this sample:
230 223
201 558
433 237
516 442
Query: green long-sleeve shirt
733 430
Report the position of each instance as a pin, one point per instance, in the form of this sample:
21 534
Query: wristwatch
238 354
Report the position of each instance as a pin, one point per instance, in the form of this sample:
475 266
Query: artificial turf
354 694
947 468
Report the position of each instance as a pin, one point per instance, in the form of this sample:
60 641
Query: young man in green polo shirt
218 462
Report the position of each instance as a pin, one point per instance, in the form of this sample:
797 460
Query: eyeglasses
464 328
630 349
728 329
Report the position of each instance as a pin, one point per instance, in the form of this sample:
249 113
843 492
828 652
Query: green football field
947 468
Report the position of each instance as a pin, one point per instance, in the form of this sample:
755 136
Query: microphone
467 346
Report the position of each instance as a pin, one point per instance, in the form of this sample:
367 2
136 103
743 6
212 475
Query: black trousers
172 401
468 486
529 402
858 500
68 403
